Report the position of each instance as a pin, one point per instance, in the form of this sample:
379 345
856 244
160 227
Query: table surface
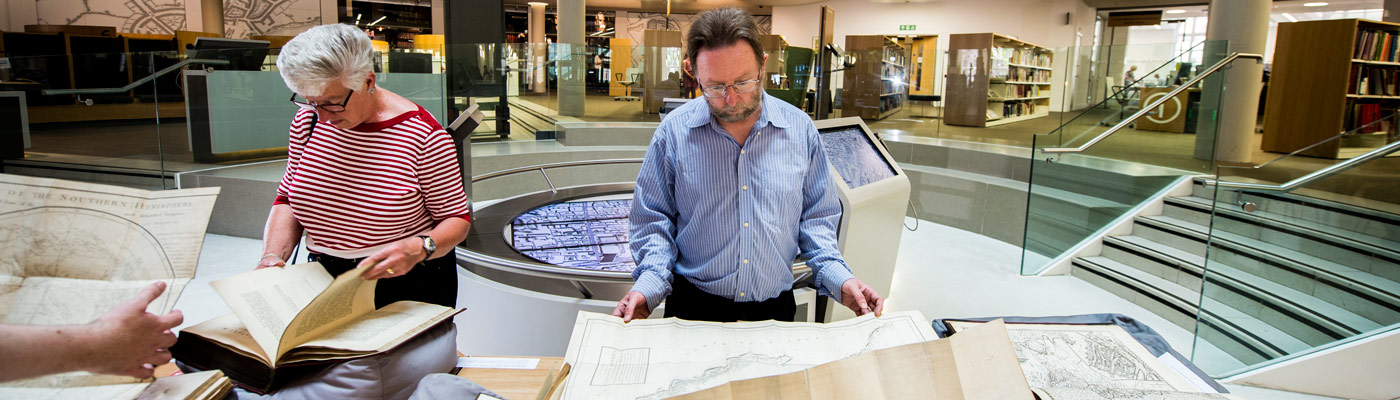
513 383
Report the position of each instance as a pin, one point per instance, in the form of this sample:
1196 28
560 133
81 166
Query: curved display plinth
522 306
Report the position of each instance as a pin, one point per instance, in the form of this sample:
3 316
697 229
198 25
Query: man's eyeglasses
742 87
309 106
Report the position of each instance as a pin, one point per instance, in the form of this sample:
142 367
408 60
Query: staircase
1296 273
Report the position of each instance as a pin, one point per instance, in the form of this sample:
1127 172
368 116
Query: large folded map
657 359
70 251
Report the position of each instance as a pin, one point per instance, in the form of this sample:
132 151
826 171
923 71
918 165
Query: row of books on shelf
1015 92
889 87
1012 110
1377 45
891 102
1374 81
1029 56
891 70
1360 114
1027 75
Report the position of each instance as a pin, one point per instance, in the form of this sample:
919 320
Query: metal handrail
1314 176
1145 110
543 167
138 82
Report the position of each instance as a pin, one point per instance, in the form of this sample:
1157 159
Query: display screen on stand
854 156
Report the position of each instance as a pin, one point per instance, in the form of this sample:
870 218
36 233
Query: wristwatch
429 246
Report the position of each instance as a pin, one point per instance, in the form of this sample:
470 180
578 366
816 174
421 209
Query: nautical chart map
1092 362
656 359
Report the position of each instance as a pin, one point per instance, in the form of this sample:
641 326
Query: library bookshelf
878 84
995 79
1329 77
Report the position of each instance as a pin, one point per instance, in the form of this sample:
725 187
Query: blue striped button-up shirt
732 218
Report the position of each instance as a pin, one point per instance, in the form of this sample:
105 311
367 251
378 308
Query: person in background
1130 76
126 340
734 186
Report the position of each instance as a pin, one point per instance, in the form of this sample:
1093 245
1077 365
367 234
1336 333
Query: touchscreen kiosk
874 195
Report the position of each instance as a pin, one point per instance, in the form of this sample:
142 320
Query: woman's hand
396 259
271 260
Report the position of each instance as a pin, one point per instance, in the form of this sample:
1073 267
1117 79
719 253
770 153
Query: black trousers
433 281
689 302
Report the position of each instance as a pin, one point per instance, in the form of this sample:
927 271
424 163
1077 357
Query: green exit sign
907 28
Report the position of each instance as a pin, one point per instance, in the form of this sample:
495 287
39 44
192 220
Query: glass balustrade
1074 196
1293 270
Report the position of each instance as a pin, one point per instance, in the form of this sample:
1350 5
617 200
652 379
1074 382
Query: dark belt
432 281
688 301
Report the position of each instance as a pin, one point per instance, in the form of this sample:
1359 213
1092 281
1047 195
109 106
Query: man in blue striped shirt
733 188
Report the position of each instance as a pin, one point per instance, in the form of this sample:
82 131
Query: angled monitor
241 54
854 155
418 63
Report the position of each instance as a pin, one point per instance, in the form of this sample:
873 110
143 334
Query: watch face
429 244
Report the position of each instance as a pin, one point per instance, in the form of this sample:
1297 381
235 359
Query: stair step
1298 270
1244 337
1366 245
1311 319
1333 214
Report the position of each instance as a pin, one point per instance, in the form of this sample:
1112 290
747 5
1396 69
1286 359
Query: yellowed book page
384 328
346 299
987 364
229 331
183 386
217 391
105 392
266 300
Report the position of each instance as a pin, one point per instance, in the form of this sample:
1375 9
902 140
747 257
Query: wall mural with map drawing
633 25
245 18
137 16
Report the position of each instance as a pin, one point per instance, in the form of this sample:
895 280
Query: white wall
1037 21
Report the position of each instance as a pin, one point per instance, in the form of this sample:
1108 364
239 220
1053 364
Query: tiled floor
941 271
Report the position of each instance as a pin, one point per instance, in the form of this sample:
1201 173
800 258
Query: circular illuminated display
589 235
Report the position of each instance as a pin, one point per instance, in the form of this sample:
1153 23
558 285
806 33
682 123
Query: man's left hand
395 259
860 298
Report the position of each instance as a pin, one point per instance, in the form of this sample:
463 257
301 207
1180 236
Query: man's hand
271 260
129 341
859 297
395 259
632 306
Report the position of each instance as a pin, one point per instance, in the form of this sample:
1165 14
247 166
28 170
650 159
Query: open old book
288 321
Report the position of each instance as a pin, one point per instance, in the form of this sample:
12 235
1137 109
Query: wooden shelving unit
1008 81
1316 89
924 62
878 84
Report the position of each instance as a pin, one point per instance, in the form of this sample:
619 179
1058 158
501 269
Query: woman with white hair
372 179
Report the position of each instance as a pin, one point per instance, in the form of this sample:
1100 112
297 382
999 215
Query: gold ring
391 270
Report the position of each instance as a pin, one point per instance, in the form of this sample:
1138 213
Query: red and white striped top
356 190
